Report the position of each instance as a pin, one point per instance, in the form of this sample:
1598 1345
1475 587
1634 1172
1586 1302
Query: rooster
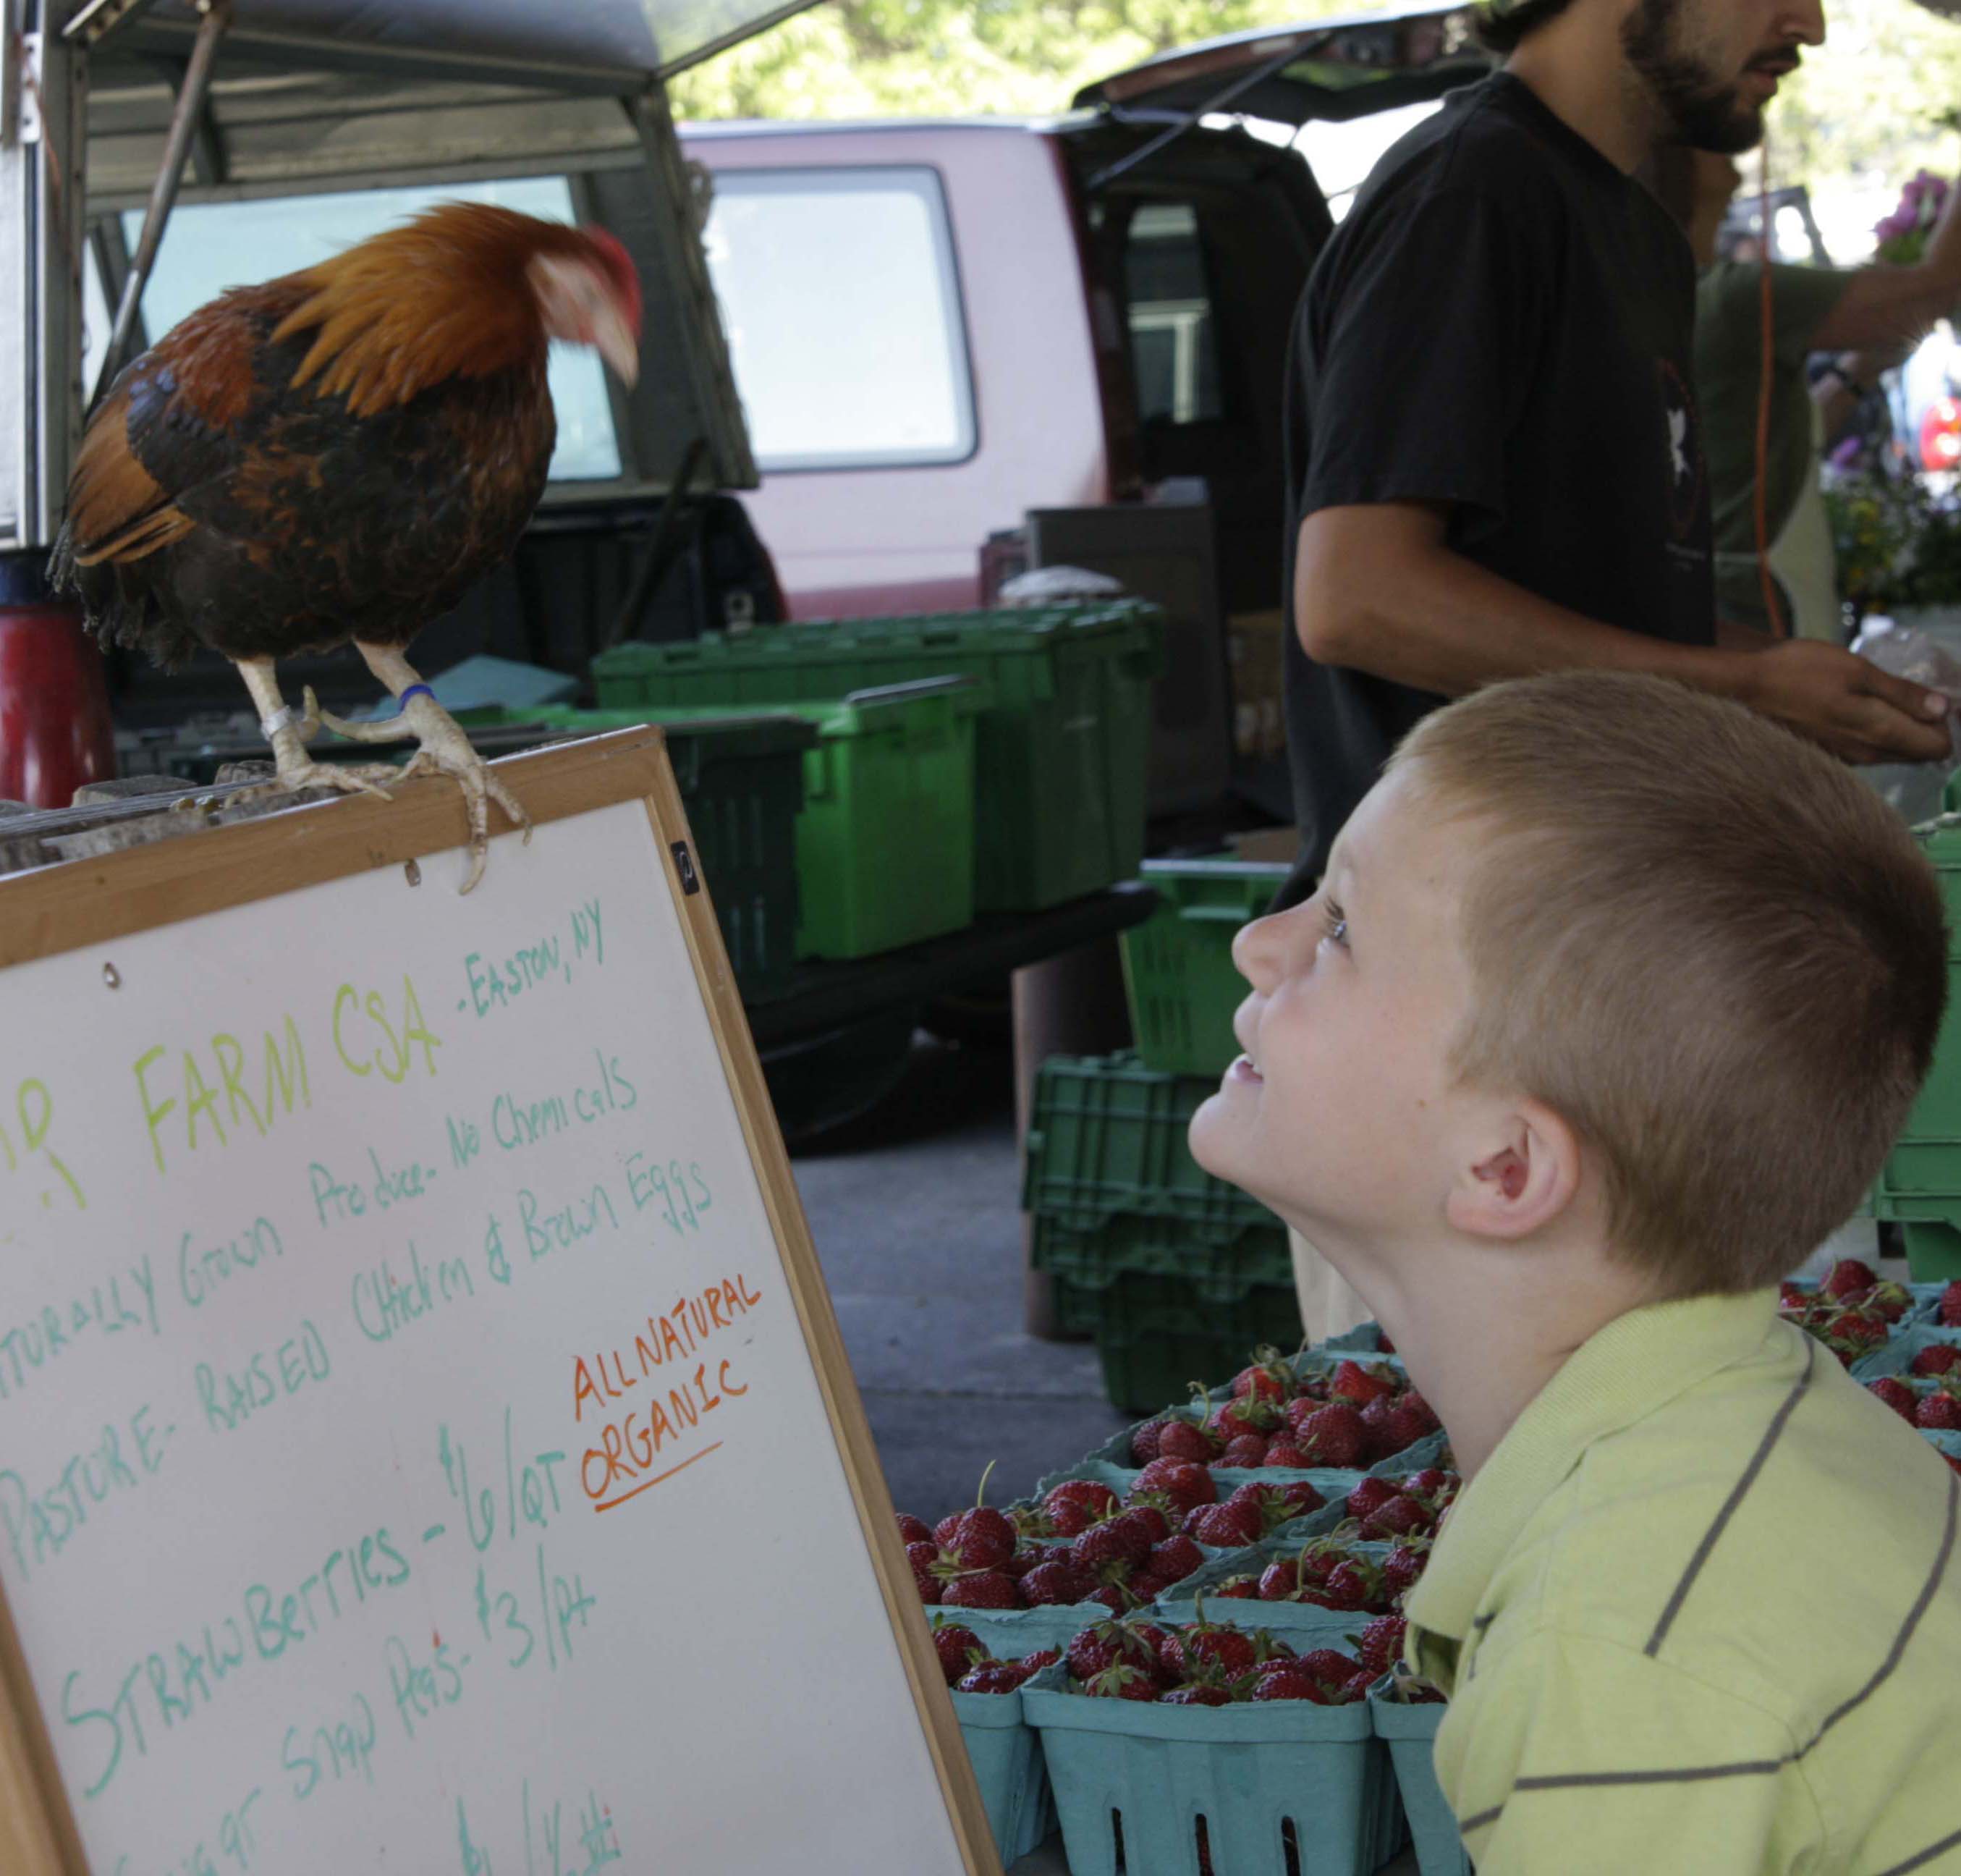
337 454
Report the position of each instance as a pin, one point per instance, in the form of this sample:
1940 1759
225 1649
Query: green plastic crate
1920 1185
1409 1729
1133 1779
1156 1336
1107 1136
1178 965
885 842
741 781
1060 758
1159 1262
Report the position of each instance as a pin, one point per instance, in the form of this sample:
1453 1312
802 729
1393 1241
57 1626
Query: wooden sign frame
87 902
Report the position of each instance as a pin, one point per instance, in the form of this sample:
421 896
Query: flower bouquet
1902 235
1898 538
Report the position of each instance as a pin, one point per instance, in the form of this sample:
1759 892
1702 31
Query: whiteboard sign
418 1452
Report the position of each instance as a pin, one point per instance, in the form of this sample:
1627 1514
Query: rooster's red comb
619 269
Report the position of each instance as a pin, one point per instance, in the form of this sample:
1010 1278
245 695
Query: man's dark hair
1500 29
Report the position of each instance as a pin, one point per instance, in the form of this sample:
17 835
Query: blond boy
1610 1004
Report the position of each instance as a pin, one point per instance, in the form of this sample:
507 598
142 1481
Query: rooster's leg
443 749
287 734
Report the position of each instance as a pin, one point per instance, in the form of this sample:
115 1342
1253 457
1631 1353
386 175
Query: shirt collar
1623 1372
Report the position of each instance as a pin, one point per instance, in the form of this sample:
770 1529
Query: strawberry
1938 1358
1392 1425
1380 1645
1217 1644
1091 1651
1892 1300
1328 1664
1938 1413
1175 1558
1266 1379
922 1558
982 1589
1144 1440
1372 1494
1356 1688
1896 1395
1402 1566
1031 1557
1355 1585
1383 1344
1245 1451
1148 1518
1332 1436
1431 1480
913 1531
1182 1483
1950 1305
1856 1327
1227 1526
1041 1658
980 1538
1237 1588
990 1677
1146 1585
1123 1682
1399 1516
1120 1540
1184 1439
1279 1581
1111 1596
1294 1499
1057 1584
1288 1680
1197 1694
1849 1278
1076 1503
1153 1640
1352 1381
1793 1296
958 1649
1283 1451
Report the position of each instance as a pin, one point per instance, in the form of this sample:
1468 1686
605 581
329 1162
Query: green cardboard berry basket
1409 1730
1006 1754
1134 1778
1895 1355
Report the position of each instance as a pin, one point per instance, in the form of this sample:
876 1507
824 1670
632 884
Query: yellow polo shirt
1700 1615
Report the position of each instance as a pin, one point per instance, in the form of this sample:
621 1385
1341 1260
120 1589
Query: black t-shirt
1504 323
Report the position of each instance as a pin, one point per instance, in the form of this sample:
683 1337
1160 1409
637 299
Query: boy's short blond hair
1713 950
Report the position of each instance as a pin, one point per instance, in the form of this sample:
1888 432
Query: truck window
842 305
1174 333
209 246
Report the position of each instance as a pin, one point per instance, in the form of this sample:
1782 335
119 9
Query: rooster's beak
619 346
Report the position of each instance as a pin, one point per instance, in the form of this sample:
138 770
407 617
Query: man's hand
1849 706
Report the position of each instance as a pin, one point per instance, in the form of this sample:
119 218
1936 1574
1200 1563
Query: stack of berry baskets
1918 1374
1407 1713
1853 1312
1203 1742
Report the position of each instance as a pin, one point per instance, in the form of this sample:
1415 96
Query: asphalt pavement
915 1213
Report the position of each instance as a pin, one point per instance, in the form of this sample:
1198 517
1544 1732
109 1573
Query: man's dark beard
1699 112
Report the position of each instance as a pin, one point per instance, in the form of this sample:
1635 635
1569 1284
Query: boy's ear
1526 1182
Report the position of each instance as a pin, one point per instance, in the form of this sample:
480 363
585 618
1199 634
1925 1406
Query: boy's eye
1337 923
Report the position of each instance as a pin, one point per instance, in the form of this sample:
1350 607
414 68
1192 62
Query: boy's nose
1261 949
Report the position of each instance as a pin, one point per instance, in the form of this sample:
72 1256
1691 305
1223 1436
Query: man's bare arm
1377 589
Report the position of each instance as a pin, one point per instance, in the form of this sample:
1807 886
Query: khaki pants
1328 1305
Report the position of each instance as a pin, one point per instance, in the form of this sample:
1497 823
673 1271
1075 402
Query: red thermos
55 729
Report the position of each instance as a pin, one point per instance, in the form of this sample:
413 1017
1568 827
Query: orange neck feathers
443 296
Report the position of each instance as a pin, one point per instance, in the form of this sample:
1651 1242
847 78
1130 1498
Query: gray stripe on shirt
1738 1492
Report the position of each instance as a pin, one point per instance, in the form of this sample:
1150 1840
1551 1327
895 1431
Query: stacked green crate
1176 1274
1177 965
1919 1187
1060 757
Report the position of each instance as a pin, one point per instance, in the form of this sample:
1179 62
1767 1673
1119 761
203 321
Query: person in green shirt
1869 316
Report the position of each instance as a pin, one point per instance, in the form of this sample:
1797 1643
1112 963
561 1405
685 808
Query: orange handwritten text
632 1452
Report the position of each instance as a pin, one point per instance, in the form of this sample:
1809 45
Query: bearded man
1495 456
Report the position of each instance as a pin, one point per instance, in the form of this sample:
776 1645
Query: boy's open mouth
1243 1070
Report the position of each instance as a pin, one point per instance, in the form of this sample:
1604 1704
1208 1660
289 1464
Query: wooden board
426 1441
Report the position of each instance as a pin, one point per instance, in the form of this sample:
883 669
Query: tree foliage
1877 102
956 57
